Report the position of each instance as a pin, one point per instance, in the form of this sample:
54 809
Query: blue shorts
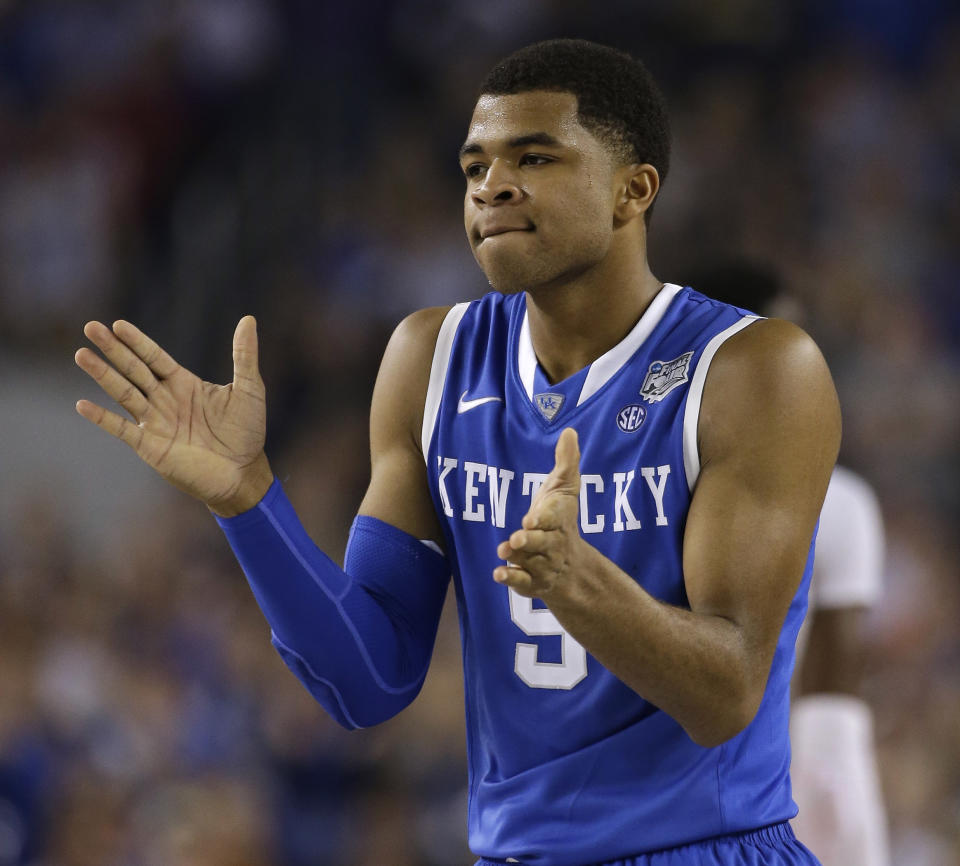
769 846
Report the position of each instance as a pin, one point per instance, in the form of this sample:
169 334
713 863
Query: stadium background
182 163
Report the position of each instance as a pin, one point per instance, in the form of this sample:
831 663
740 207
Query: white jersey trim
691 415
603 369
526 357
438 373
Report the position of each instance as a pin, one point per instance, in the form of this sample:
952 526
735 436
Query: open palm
205 439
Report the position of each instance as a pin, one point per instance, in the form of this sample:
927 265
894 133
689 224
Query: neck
572 325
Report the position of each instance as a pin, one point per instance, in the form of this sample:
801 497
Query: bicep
768 434
398 493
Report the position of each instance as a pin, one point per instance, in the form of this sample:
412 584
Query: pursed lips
492 231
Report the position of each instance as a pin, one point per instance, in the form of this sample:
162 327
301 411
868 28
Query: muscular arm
768 436
398 492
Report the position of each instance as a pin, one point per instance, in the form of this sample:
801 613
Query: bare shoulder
417 333
770 383
770 348
401 388
398 492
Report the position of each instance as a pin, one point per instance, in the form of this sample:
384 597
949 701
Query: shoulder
770 348
771 357
401 388
409 353
398 492
418 331
433 330
770 378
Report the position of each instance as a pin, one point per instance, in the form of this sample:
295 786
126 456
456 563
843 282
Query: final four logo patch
548 404
664 376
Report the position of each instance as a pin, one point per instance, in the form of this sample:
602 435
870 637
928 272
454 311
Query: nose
498 186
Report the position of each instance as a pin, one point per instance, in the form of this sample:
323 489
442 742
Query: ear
636 188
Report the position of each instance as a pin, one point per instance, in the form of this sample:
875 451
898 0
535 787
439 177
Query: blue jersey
567 764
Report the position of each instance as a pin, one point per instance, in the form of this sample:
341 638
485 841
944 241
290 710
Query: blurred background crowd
184 162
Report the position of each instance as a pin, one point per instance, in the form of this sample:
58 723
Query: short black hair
617 98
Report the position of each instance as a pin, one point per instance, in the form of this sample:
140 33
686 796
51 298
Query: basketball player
834 770
622 476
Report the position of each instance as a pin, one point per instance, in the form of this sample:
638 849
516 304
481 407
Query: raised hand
547 546
205 439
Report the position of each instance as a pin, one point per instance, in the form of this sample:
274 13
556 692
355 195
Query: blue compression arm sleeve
360 640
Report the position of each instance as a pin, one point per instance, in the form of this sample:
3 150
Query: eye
474 170
535 159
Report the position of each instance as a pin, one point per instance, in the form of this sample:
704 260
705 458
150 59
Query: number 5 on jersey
545 675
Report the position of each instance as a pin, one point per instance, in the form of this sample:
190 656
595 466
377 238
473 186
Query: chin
525 281
501 279
509 278
506 287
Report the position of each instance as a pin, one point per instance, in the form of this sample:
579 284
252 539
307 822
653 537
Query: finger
115 385
159 362
512 557
516 578
547 509
550 513
530 542
121 356
530 565
112 423
565 475
567 460
245 352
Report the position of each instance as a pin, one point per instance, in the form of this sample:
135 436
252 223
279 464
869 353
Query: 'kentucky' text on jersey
616 776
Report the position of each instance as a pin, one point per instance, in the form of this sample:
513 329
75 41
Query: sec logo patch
629 418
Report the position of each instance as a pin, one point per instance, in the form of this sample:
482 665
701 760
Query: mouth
492 232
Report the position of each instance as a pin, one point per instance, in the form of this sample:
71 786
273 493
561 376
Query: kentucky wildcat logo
549 404
664 376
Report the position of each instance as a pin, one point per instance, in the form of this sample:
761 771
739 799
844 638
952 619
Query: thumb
245 351
566 470
547 509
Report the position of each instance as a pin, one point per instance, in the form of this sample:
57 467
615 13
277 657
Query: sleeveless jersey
567 765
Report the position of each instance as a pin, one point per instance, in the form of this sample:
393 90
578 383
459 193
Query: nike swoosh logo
467 405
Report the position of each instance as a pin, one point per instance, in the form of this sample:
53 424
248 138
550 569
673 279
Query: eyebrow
543 138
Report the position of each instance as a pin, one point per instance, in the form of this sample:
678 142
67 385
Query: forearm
359 641
696 668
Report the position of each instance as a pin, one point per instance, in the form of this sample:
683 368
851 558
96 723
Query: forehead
499 118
